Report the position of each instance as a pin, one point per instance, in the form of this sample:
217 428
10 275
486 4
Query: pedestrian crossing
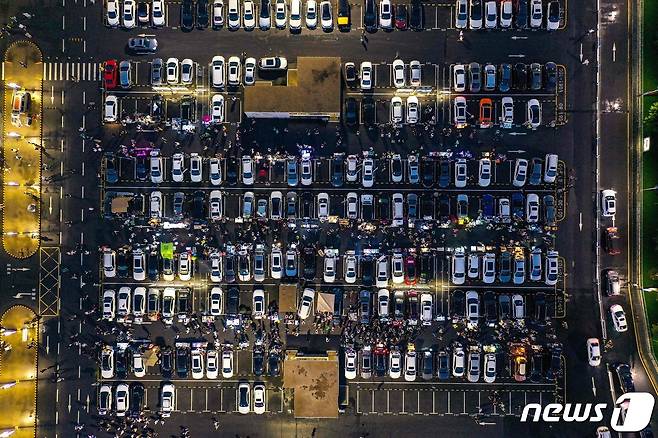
72 71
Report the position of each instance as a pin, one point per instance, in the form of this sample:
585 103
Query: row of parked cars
461 115
474 362
475 78
490 14
342 170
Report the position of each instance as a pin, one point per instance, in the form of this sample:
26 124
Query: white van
550 168
295 21
458 266
109 263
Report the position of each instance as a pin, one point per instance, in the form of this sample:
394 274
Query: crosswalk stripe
84 73
65 71
43 75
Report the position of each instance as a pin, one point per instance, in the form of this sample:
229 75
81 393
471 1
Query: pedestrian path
72 71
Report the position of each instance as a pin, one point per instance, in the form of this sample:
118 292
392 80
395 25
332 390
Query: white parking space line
448 404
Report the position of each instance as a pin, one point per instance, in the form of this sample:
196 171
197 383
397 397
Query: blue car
487 206
518 206
291 172
291 263
111 173
364 306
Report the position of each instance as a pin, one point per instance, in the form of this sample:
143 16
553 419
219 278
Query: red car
401 17
110 74
611 242
410 270
486 111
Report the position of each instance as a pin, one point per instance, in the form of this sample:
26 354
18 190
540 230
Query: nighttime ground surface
67 272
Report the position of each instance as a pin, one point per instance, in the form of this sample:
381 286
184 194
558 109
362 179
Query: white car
244 398
460 112
350 364
329 268
311 14
326 16
383 304
217 112
415 76
490 367
536 13
168 300
397 209
250 71
158 13
184 266
385 14
259 398
365 75
396 110
197 364
172 71
247 170
295 21
306 171
367 172
216 71
473 265
413 109
397 268
138 366
234 71
351 171
128 14
186 71
212 364
217 14
216 210
107 362
461 14
410 366
196 168
532 208
490 14
167 399
382 272
177 170
459 77
121 400
323 207
306 303
276 258
138 304
507 117
618 318
593 352
475 15
458 267
472 308
280 14
395 364
534 113
426 309
156 169
399 75
608 203
551 268
227 364
249 17
109 304
215 171
112 13
506 14
258 304
349 268
234 15
104 400
484 172
111 109
352 205
139 265
458 361
518 307
215 300
461 173
520 172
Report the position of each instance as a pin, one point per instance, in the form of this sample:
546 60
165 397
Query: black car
520 77
536 80
229 268
178 204
550 76
444 173
166 362
380 363
265 11
122 264
426 267
121 364
231 171
156 110
143 13
141 169
536 367
535 172
540 307
458 305
383 208
365 306
258 364
427 207
233 302
368 105
625 377
310 264
427 170
307 205
427 365
555 368
338 305
182 361
337 173
202 14
367 267
291 205
136 399
273 364
504 308
153 266
350 72
187 16
417 15
370 15
504 77
351 111
521 21
490 310
444 207
199 205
